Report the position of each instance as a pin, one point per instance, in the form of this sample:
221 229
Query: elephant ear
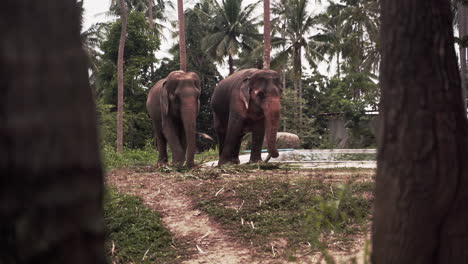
245 92
164 100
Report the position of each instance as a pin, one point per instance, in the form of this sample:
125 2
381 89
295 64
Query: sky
95 12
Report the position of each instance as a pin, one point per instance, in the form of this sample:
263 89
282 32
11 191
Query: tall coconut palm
232 28
182 50
150 14
297 24
155 8
266 34
120 80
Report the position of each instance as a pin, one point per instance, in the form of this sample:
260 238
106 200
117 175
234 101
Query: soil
208 242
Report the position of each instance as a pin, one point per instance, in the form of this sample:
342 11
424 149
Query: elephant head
260 94
180 104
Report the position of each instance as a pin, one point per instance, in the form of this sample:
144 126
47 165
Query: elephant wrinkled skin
247 101
173 105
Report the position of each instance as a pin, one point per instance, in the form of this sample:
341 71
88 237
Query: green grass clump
129 157
300 211
135 234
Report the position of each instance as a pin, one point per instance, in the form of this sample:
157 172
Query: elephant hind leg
161 143
220 131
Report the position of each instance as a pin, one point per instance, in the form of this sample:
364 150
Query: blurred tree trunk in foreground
51 181
421 209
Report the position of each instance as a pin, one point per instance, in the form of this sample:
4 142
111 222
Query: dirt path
208 242
205 237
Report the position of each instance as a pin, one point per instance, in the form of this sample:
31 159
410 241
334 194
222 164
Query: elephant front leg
230 153
258 132
171 135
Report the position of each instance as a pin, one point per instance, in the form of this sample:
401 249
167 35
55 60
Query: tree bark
182 50
51 180
266 34
421 213
120 76
150 14
300 91
231 64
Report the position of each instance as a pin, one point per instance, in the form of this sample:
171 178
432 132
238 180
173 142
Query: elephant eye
261 95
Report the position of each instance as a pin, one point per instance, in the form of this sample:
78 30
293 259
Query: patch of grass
129 157
206 156
264 209
135 234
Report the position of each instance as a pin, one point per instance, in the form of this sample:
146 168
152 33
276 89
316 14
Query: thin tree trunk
266 34
120 77
300 91
51 182
338 67
296 83
421 213
284 105
150 14
231 64
182 50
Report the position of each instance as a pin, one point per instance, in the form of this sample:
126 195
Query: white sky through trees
95 11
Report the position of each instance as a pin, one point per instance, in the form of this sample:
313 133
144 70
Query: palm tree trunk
266 34
338 67
231 64
150 14
51 180
120 77
300 90
182 50
284 105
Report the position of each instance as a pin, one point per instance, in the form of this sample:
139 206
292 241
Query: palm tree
266 34
232 28
150 14
294 28
155 8
182 50
120 85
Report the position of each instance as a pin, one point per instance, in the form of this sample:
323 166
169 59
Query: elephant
247 101
173 104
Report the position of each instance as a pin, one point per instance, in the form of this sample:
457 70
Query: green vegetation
146 156
129 157
135 234
265 209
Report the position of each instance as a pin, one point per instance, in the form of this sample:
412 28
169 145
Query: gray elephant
173 105
246 101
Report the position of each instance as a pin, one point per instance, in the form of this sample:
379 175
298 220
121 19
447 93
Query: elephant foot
190 164
161 163
234 161
257 160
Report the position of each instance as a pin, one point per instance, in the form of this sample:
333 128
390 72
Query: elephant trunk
189 116
271 110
